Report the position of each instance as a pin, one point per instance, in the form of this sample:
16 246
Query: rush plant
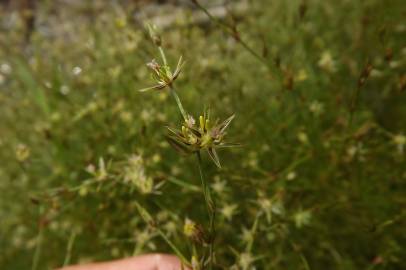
192 139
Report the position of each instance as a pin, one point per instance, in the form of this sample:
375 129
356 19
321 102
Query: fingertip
154 261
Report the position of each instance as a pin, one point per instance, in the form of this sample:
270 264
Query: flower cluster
195 232
163 74
204 136
134 173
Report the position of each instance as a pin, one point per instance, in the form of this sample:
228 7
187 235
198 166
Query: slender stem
37 252
69 248
353 105
212 237
229 30
205 186
250 243
184 184
161 51
171 88
174 248
178 102
148 219
211 209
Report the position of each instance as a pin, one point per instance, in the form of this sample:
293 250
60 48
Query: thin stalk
149 220
229 30
356 94
184 184
211 209
250 243
37 252
174 248
161 51
305 263
352 111
171 88
178 102
353 105
69 248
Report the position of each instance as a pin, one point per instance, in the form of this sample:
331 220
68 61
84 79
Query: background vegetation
318 184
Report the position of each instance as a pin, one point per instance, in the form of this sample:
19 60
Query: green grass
317 184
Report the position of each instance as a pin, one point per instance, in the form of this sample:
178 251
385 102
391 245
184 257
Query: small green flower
22 152
195 232
302 218
245 260
100 173
163 74
192 138
228 211
134 173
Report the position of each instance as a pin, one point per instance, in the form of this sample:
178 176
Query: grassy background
309 189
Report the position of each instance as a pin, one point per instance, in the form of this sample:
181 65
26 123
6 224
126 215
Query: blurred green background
319 182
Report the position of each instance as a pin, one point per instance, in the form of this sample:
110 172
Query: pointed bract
204 135
213 155
163 74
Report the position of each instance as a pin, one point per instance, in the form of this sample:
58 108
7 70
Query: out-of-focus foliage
318 184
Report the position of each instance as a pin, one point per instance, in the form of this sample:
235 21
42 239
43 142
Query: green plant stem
353 105
178 102
211 209
161 51
229 30
184 184
146 216
174 248
171 88
69 248
254 228
304 260
37 252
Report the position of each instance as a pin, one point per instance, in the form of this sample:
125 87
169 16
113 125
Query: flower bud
154 35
